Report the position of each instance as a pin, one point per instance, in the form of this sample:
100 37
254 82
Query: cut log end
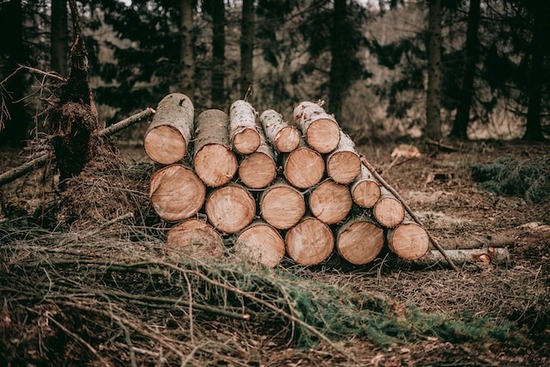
257 170
165 144
344 166
409 241
230 208
246 141
304 167
215 164
195 238
359 242
176 192
323 135
366 193
287 139
389 212
310 242
330 202
260 243
282 206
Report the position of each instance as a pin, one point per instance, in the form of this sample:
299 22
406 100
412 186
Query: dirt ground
459 213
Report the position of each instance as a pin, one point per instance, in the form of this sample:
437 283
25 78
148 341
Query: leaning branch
41 161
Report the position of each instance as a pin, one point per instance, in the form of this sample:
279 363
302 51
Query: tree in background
247 46
218 96
433 102
59 42
187 57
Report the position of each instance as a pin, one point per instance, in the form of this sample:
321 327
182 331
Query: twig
409 210
41 161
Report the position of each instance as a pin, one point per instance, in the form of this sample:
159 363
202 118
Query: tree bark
330 202
258 169
214 161
230 208
187 56
243 131
460 124
408 240
169 134
59 42
320 129
247 45
303 167
176 192
284 137
196 238
310 242
218 53
365 190
344 165
260 243
433 98
388 211
359 240
281 205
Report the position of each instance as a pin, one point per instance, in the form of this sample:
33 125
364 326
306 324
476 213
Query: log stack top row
279 188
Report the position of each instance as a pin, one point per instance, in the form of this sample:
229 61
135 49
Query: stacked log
318 199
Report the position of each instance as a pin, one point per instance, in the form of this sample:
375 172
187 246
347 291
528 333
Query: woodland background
468 69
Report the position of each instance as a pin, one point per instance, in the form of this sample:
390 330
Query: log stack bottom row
273 188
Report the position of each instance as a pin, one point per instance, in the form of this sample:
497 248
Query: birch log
330 202
310 242
196 238
388 211
243 131
260 243
214 161
284 137
303 167
230 208
167 138
408 240
320 129
359 240
481 256
344 165
281 205
365 190
176 192
258 169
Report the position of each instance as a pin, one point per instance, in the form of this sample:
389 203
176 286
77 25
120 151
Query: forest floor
511 299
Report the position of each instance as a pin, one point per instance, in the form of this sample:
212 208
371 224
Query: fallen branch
409 210
41 161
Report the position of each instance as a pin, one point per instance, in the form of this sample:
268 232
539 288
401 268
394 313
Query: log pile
270 187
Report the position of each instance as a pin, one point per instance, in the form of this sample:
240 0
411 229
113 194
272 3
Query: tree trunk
187 56
176 192
230 208
310 242
243 131
340 54
169 134
218 53
258 169
214 161
247 45
408 240
303 167
330 202
359 240
282 206
535 76
344 165
388 211
433 98
196 238
460 124
482 256
365 190
321 130
260 243
59 42
284 137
